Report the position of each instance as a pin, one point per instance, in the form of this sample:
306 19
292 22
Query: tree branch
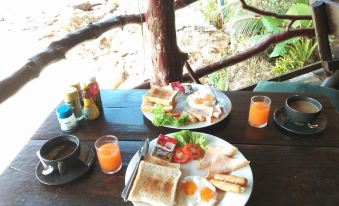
248 53
58 49
275 15
179 4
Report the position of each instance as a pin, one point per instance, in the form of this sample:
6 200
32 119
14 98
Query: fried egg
195 190
201 100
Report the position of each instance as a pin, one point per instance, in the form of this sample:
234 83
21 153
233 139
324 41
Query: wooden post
167 59
321 29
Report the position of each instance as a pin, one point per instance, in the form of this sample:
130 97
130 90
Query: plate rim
227 110
281 109
249 189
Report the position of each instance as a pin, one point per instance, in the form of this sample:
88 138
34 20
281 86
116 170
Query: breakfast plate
181 104
189 169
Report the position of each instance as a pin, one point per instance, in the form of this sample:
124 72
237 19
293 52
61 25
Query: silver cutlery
143 150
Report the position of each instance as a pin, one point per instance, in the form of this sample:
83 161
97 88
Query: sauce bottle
78 87
94 92
72 99
90 110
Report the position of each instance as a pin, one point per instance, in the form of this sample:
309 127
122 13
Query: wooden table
288 169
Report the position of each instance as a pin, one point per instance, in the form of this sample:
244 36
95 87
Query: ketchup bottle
94 92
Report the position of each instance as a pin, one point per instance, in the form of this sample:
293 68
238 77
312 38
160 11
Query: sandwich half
160 95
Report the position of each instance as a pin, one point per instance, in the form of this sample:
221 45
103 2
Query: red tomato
193 150
179 156
176 115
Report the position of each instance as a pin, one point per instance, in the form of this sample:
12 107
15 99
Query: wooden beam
322 31
287 76
191 73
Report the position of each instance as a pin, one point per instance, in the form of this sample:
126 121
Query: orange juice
258 115
109 157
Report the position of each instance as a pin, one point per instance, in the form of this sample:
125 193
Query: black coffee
303 106
61 150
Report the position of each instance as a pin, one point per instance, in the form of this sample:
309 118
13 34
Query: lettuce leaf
160 118
188 137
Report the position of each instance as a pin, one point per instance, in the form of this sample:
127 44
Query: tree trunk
167 59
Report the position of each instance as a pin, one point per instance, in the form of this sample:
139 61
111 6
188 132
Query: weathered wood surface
283 175
123 117
287 170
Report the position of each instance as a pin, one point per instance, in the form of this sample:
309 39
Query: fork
216 96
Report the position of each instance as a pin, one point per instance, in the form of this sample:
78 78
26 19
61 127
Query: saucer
281 118
79 168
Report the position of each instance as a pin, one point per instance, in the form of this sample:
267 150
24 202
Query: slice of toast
155 185
160 95
149 106
155 160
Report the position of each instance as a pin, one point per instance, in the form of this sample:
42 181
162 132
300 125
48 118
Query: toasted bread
160 95
155 185
155 160
149 106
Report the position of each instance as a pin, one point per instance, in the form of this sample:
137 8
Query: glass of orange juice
259 111
108 153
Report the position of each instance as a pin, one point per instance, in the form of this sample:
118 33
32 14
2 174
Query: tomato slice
179 156
193 150
176 115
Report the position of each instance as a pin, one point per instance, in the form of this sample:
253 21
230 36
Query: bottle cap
64 111
92 79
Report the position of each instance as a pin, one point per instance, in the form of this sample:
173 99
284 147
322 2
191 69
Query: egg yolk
206 194
189 187
209 98
198 100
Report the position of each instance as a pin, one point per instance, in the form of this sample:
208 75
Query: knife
143 150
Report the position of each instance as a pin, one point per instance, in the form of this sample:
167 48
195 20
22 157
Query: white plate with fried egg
190 170
183 102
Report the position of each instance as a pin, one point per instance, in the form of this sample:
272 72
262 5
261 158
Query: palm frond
245 25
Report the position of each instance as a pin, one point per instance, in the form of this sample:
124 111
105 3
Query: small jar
72 99
66 118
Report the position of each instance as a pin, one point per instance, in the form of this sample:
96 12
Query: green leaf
247 25
301 1
300 9
160 118
272 25
188 137
255 39
293 40
279 50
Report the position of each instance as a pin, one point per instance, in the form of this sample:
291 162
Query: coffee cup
59 154
302 110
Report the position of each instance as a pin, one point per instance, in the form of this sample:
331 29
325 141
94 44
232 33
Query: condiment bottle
66 118
94 92
90 110
78 87
72 99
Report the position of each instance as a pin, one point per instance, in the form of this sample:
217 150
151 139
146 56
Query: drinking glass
259 111
108 153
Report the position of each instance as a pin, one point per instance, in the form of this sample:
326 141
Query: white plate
181 103
189 169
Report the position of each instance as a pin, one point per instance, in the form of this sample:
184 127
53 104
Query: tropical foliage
287 55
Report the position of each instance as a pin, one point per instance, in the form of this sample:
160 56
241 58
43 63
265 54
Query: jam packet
164 147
